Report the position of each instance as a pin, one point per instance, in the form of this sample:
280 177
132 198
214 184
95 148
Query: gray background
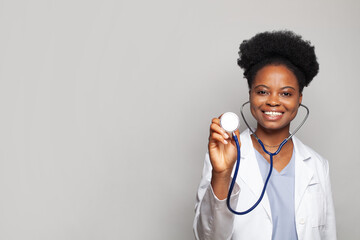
105 109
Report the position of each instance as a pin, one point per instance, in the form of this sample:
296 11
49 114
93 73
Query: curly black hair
279 48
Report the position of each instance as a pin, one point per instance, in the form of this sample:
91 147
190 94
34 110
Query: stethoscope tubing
232 184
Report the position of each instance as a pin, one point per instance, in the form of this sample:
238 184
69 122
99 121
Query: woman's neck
272 137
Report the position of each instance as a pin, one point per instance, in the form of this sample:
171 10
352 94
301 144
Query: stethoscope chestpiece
230 122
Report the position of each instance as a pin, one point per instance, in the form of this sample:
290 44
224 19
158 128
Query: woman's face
275 97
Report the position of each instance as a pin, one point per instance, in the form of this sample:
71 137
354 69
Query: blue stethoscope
230 122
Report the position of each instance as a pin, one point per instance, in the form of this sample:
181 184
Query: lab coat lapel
303 174
249 171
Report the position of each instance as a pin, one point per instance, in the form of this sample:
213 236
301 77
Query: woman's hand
222 148
223 153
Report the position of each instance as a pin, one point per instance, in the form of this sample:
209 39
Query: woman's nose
273 101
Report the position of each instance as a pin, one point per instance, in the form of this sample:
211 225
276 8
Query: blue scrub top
281 193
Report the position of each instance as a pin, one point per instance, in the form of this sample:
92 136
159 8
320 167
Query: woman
298 201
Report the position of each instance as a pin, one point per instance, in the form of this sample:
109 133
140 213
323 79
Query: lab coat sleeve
329 232
213 220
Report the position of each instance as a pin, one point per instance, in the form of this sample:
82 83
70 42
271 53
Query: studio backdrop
106 107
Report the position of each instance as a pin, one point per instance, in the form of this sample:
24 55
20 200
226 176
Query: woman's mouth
272 115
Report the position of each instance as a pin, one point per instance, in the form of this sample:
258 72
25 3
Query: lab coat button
302 221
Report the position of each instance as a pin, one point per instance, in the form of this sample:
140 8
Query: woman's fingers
215 127
214 136
225 137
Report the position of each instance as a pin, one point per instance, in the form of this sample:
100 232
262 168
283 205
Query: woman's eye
261 92
286 94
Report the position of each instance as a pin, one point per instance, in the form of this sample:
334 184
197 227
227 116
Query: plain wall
105 109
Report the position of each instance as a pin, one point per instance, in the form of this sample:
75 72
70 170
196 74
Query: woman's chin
273 126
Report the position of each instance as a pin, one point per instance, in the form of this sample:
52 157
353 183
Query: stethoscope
230 123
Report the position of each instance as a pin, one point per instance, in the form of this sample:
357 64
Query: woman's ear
300 99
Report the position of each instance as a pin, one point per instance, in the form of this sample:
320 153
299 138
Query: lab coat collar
250 171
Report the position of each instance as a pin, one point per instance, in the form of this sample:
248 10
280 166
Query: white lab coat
314 210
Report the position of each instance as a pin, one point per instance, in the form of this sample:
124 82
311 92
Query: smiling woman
274 99
278 65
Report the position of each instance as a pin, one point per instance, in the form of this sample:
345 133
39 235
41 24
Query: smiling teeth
273 113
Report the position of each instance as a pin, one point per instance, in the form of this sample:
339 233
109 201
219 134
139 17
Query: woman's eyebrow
261 85
288 87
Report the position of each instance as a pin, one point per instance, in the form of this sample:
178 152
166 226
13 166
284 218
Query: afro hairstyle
279 48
